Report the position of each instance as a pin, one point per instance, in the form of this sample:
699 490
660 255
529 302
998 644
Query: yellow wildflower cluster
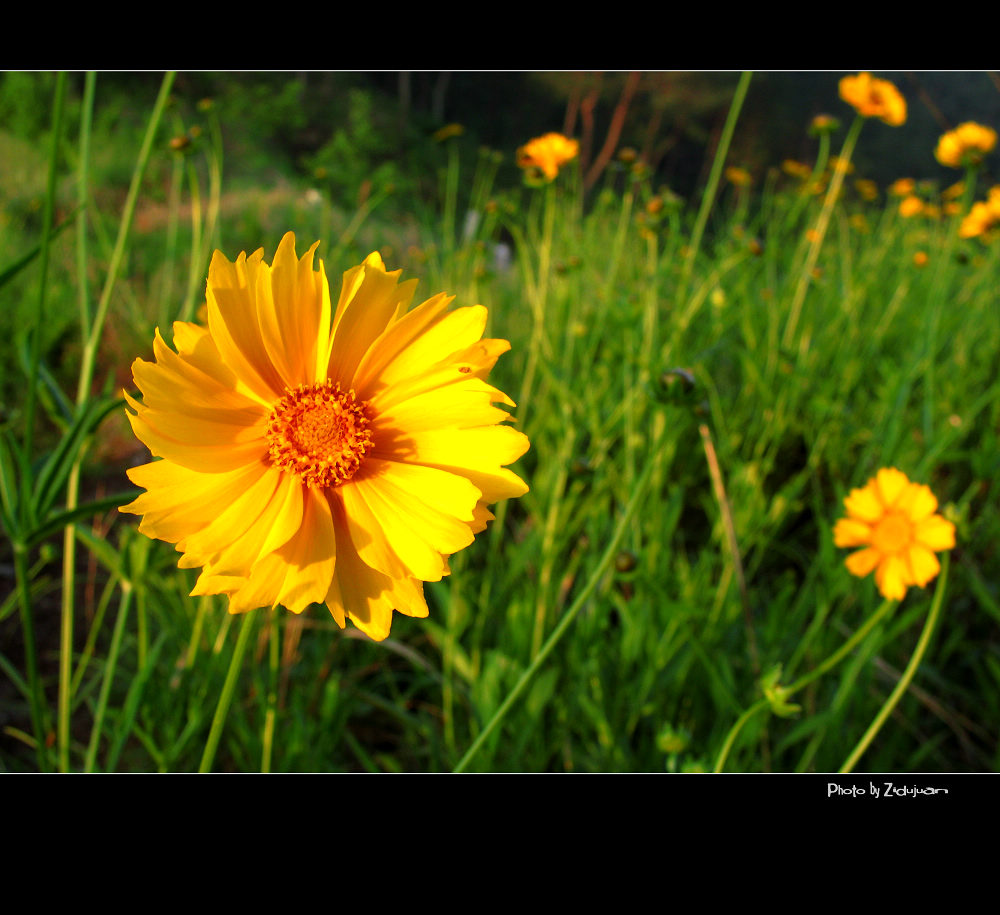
966 145
547 154
983 216
874 98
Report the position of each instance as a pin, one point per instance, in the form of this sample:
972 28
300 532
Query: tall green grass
702 382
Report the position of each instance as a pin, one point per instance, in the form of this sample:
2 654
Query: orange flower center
320 433
892 534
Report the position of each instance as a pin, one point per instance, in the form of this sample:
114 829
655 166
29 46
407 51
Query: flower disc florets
320 433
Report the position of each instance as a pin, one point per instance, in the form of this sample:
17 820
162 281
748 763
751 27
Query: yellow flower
737 176
874 98
895 523
911 206
317 450
966 145
447 132
920 258
796 169
866 188
902 187
547 154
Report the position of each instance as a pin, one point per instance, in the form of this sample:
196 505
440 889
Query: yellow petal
923 565
180 501
369 299
918 502
862 562
300 572
476 454
294 313
848 532
393 340
935 533
231 295
864 505
892 577
890 484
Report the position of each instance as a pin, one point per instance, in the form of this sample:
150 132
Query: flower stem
805 680
820 232
226 697
904 681
713 181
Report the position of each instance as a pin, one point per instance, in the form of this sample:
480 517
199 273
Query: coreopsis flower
547 154
911 206
874 98
966 145
322 451
895 522
447 132
823 123
866 188
902 187
796 169
739 177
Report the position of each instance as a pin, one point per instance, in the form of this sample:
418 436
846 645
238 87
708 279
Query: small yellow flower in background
902 187
836 162
911 206
966 145
823 123
874 98
866 188
547 154
796 169
739 177
920 259
954 191
447 132
982 217
322 451
895 523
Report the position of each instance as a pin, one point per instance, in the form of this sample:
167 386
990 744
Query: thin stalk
109 675
904 681
47 216
272 692
36 693
832 192
226 697
818 671
602 566
708 199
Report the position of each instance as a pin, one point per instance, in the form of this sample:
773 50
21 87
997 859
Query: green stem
226 697
36 340
602 566
109 674
35 692
904 681
73 483
832 192
713 181
272 692
805 680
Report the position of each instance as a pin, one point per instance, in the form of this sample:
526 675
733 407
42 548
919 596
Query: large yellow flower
874 98
967 144
313 454
895 523
548 154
